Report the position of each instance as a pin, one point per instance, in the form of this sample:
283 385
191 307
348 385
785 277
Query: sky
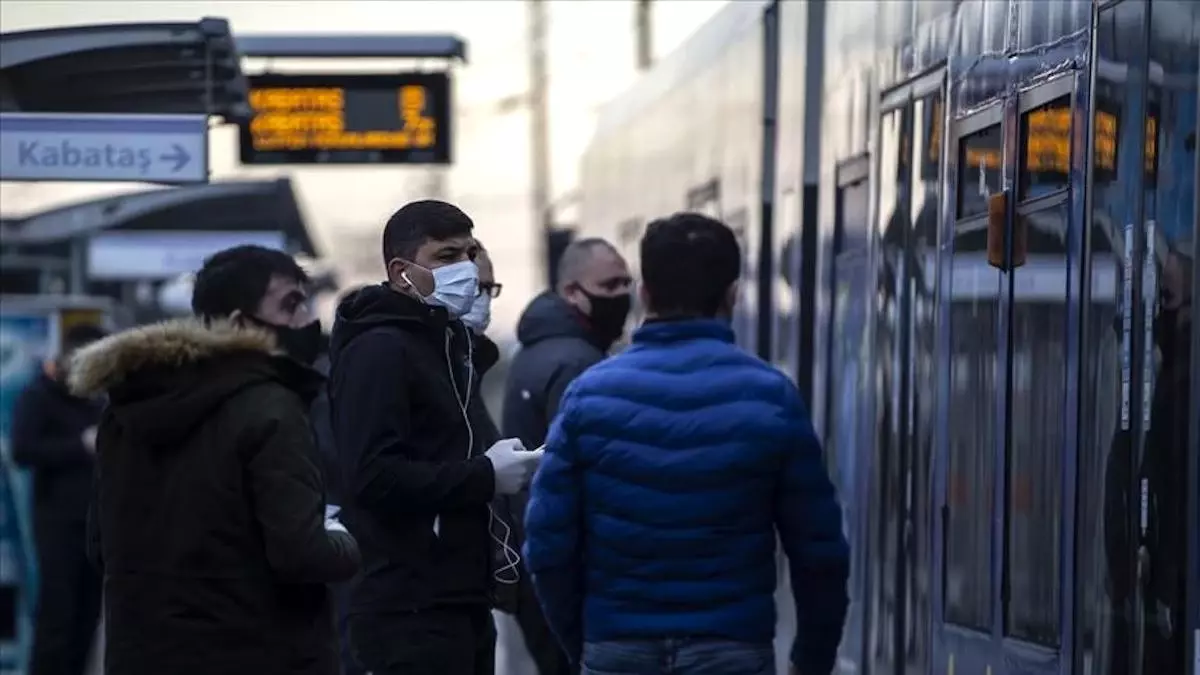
591 60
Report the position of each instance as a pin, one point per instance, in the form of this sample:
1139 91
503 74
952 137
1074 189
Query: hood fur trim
105 364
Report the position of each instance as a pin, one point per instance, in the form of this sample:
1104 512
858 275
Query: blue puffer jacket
667 473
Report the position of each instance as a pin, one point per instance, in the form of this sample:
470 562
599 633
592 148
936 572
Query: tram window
980 161
1045 149
1038 380
969 492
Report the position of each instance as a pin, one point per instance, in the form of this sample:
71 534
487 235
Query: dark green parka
208 518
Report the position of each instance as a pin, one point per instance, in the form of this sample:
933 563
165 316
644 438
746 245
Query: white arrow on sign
170 149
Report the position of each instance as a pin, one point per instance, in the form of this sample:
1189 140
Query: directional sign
149 148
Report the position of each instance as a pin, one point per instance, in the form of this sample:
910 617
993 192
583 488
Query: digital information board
348 119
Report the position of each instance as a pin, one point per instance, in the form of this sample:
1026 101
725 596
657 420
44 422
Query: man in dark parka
208 520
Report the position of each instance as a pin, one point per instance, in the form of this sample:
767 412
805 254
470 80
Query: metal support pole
644 32
539 119
77 278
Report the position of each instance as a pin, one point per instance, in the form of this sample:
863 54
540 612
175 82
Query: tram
969 231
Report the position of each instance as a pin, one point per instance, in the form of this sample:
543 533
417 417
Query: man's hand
513 465
89 439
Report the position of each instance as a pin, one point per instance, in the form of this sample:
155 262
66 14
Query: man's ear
731 297
395 273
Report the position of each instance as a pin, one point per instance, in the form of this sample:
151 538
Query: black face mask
302 344
608 315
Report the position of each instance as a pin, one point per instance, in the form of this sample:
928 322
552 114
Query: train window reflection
980 158
1045 149
845 422
1038 380
974 351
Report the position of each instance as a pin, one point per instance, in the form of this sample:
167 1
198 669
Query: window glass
1036 434
787 291
972 436
974 294
922 310
887 462
1105 578
1167 408
847 379
980 158
1045 149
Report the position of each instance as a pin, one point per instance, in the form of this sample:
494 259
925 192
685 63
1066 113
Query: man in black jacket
562 333
421 461
209 518
54 434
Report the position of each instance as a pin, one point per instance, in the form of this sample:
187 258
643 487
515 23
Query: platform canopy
163 68
236 206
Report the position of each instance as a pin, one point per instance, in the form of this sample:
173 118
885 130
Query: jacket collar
677 330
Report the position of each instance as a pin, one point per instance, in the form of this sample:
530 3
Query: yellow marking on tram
950 666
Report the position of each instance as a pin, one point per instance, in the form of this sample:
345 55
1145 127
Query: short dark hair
237 279
81 336
688 263
576 255
419 221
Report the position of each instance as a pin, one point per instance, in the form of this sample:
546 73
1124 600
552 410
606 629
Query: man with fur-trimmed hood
208 520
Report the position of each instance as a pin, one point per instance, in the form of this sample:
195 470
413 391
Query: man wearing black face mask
562 333
209 514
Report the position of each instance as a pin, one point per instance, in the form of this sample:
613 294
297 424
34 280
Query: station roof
163 68
348 45
215 207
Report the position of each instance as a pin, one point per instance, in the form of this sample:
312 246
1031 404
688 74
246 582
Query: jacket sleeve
809 521
289 499
553 535
561 378
373 428
38 442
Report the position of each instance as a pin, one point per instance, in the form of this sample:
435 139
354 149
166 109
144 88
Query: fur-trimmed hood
105 364
163 379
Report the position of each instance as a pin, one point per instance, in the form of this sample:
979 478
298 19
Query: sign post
169 149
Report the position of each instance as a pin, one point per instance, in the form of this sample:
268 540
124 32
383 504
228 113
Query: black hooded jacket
47 437
411 431
209 513
556 347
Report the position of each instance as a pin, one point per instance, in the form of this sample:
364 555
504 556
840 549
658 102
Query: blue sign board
170 149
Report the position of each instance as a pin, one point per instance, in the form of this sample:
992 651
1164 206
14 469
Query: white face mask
480 315
454 287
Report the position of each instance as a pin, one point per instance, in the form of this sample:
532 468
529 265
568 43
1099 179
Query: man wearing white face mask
420 459
479 317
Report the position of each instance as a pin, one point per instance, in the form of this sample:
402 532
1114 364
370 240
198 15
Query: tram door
1010 381
899 531
1136 596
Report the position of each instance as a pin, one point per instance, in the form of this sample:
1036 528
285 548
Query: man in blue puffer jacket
670 467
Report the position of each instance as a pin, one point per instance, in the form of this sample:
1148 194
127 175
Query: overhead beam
351 46
159 68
